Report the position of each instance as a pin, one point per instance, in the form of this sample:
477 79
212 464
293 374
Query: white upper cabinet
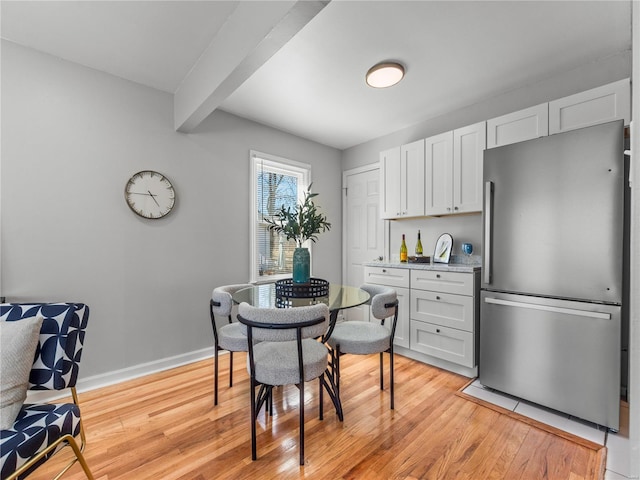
402 179
532 122
454 170
412 185
469 144
390 182
598 105
442 175
439 174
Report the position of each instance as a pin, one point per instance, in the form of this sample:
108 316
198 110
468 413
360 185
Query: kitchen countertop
457 264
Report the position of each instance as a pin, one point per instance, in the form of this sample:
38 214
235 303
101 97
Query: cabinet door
390 182
468 149
449 344
412 179
401 337
438 175
598 105
453 311
518 126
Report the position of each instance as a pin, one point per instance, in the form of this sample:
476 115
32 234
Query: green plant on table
302 223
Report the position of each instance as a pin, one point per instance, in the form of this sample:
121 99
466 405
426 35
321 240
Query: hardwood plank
165 426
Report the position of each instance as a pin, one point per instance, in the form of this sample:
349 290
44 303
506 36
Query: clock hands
154 197
140 193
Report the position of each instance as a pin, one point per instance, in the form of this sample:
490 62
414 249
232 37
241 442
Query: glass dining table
340 297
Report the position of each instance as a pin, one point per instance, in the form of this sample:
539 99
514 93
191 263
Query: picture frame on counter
442 252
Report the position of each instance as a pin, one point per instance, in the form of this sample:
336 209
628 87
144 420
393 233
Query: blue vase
301 265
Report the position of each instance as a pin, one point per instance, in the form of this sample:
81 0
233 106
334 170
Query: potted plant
302 223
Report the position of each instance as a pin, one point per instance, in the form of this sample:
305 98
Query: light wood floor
165 426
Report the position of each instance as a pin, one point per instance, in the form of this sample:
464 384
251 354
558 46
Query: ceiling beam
252 34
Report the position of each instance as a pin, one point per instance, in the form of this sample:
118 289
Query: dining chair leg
301 388
254 454
337 370
215 375
381 372
230 369
391 374
321 396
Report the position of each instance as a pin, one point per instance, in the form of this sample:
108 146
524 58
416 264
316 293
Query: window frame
286 165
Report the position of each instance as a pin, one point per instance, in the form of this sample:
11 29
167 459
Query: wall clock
150 194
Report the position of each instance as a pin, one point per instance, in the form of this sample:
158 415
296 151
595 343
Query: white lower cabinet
398 279
449 344
437 314
401 337
455 311
444 315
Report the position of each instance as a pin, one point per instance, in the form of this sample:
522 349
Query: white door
362 226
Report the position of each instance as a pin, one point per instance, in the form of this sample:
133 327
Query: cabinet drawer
447 282
446 309
448 344
393 277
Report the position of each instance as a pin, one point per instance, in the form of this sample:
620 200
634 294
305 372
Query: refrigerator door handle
486 248
549 308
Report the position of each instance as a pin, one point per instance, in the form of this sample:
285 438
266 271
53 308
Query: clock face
150 194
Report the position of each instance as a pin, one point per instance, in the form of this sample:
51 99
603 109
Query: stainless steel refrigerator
550 315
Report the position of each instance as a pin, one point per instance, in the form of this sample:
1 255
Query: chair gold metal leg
69 440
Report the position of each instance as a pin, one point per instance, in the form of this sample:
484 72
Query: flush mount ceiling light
385 74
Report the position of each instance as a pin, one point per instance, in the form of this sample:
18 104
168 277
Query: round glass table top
339 298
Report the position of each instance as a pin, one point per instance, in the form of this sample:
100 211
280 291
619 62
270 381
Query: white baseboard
118 376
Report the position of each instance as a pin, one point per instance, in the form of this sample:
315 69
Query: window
274 182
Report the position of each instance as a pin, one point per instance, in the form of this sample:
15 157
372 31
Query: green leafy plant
303 223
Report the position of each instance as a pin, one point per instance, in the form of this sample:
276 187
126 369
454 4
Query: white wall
71 138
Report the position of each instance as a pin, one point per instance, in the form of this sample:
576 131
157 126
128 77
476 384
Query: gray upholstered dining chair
365 338
227 337
283 350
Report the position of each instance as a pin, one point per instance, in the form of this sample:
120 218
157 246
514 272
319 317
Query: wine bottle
419 246
403 251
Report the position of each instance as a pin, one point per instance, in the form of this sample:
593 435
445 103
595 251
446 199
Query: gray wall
468 228
71 138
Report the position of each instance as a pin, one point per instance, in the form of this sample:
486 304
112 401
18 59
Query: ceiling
456 53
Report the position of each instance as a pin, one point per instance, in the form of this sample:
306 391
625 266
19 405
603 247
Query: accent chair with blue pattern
40 430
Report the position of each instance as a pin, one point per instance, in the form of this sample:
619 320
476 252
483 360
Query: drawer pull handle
437 297
437 330
384 271
437 275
